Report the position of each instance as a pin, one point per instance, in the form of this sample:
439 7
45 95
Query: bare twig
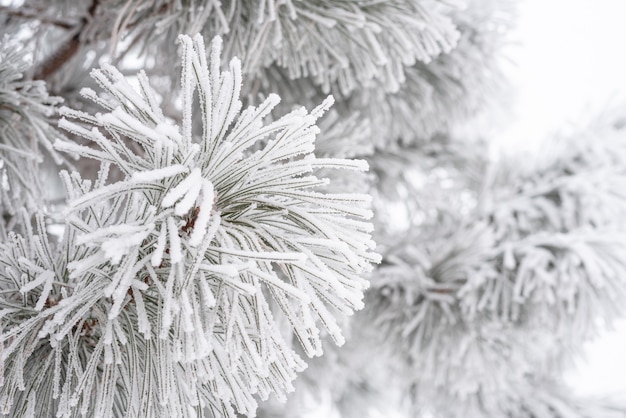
55 62
35 15
69 49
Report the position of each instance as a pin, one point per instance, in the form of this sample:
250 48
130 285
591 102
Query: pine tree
219 225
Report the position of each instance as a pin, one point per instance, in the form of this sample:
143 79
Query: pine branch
169 281
439 95
26 126
511 287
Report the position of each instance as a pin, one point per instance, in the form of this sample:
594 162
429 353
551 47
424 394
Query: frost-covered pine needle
171 282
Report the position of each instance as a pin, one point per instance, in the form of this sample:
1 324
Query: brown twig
55 62
69 49
33 15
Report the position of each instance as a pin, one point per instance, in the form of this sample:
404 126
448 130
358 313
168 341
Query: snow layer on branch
340 44
332 37
173 281
433 97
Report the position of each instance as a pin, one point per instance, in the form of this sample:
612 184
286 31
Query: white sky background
569 65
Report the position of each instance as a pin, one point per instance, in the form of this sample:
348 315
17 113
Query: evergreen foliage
26 126
216 236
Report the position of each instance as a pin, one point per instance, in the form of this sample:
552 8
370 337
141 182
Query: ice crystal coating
26 129
172 284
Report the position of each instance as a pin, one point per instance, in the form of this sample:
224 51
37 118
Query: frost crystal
174 277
